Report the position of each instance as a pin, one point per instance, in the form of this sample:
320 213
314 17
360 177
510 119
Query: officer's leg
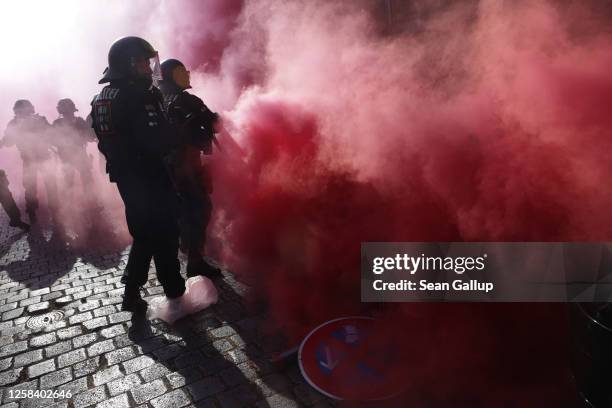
168 267
200 213
30 186
8 203
135 199
167 241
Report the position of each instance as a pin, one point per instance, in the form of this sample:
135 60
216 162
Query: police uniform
194 124
71 137
30 134
134 136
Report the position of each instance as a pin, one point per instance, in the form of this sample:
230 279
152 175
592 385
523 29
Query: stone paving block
89 305
100 347
238 356
39 307
6 363
41 368
39 292
30 301
8 306
17 298
79 318
112 331
222 345
64 300
89 397
43 340
86 367
75 387
12 314
124 384
104 288
145 392
174 399
120 355
58 348
10 377
56 378
183 377
105 311
84 340
223 331
205 388
137 364
154 372
58 288
28 358
72 357
119 317
120 401
109 374
112 300
95 323
69 332
14 348
52 296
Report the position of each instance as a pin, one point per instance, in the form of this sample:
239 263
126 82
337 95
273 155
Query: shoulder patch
102 117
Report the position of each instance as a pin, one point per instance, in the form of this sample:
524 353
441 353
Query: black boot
19 224
132 302
199 266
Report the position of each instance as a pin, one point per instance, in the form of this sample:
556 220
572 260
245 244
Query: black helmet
66 106
122 56
23 107
167 70
168 66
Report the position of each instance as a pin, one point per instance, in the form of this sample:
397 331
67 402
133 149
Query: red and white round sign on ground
348 359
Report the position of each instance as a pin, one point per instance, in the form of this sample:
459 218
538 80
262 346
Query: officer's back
135 137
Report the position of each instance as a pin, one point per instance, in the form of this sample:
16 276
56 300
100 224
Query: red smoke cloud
487 123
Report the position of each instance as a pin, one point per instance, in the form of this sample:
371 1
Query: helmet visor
155 68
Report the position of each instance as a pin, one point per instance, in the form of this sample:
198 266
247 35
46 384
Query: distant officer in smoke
8 203
71 136
194 124
29 132
135 137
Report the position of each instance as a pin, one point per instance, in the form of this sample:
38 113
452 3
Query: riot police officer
71 135
194 124
29 132
8 203
134 136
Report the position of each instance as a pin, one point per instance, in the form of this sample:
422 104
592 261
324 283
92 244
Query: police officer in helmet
135 137
72 134
194 124
29 133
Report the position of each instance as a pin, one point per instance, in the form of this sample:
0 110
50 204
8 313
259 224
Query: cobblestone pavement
109 358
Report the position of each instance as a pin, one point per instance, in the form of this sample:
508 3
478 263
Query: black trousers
151 210
196 209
